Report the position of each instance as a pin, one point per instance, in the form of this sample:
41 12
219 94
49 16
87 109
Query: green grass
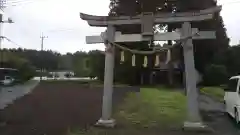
151 110
215 92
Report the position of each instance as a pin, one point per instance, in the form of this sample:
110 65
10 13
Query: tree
26 70
65 62
230 59
215 75
48 60
96 64
79 64
204 49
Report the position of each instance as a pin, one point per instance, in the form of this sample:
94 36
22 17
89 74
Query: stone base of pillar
196 126
106 123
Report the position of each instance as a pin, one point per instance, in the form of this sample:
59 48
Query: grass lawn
215 92
151 110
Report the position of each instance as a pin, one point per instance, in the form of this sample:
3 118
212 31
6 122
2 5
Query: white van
232 98
8 80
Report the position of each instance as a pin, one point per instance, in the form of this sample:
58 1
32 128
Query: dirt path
213 114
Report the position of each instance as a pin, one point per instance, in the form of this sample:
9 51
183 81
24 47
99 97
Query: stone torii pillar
106 119
193 119
147 21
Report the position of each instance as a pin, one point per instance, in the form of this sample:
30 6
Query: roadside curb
212 97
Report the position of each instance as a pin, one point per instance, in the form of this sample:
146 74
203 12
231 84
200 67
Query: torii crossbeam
120 38
147 21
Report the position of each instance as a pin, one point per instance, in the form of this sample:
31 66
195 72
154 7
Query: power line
9 40
17 3
62 30
20 1
229 3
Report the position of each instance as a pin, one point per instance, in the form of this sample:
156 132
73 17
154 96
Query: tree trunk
170 64
151 78
142 79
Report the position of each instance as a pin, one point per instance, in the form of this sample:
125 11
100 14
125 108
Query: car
232 98
8 80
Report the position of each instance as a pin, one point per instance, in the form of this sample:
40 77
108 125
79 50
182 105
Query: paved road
208 104
9 94
213 114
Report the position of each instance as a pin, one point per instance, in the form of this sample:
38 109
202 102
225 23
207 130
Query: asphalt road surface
213 114
9 94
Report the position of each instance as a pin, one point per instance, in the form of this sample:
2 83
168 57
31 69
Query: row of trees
206 51
29 61
91 64
11 60
224 65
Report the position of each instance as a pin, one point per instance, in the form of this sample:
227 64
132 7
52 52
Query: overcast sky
60 21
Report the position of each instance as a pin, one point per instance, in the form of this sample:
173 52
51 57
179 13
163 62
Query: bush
215 75
26 72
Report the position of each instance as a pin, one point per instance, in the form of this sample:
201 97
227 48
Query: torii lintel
104 21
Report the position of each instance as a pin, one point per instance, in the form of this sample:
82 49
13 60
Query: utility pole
9 20
1 39
42 42
2 122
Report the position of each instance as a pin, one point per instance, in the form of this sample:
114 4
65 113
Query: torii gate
147 21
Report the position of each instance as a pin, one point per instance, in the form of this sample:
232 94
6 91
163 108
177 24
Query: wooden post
106 119
193 116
